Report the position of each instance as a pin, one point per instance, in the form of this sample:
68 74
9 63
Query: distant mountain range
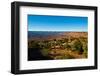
49 35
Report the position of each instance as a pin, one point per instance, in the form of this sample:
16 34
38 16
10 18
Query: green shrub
85 47
76 45
45 52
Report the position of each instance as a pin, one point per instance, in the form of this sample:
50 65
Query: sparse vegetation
65 48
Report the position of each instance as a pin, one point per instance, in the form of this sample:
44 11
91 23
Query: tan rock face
59 36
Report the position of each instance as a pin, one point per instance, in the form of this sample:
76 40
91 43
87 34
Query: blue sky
57 23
